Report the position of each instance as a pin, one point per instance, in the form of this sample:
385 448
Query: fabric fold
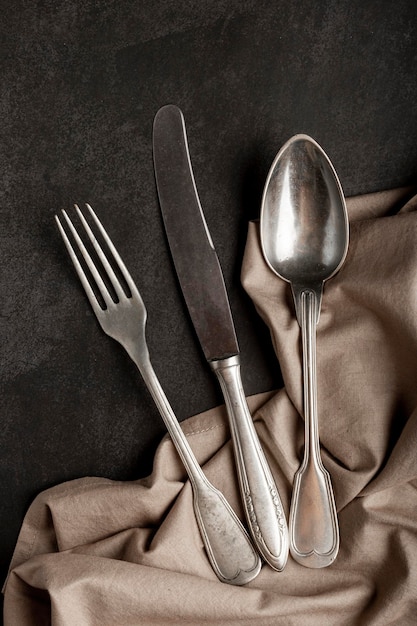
99 552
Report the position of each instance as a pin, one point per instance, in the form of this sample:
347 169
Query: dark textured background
80 83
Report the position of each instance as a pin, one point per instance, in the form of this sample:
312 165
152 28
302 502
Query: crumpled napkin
100 552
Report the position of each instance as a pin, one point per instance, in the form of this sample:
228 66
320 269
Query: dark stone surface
80 85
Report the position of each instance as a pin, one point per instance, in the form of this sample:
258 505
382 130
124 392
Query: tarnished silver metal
304 236
202 284
261 499
227 543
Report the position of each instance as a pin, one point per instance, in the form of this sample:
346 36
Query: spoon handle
260 498
314 531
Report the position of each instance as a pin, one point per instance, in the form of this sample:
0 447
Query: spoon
304 235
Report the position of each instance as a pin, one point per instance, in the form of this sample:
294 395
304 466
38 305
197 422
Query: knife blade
202 284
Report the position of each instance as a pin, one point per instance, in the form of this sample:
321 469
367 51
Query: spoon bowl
304 225
304 236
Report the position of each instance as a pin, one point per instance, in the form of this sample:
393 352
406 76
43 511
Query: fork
228 547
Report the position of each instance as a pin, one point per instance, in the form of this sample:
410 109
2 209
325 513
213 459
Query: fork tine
90 264
122 267
101 255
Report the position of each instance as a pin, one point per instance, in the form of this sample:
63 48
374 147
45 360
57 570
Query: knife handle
229 549
261 501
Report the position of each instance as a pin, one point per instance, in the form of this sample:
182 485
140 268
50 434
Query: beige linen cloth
100 552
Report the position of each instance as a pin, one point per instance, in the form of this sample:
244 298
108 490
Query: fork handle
263 507
228 546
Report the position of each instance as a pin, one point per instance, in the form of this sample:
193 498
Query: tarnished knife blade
202 284
192 250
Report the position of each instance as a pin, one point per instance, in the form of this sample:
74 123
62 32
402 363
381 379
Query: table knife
202 283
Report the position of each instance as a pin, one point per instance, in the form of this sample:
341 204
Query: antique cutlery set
304 236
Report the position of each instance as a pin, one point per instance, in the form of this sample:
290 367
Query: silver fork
227 544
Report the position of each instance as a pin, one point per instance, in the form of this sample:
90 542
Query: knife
204 291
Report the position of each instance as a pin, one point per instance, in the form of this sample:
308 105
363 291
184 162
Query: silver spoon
304 235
